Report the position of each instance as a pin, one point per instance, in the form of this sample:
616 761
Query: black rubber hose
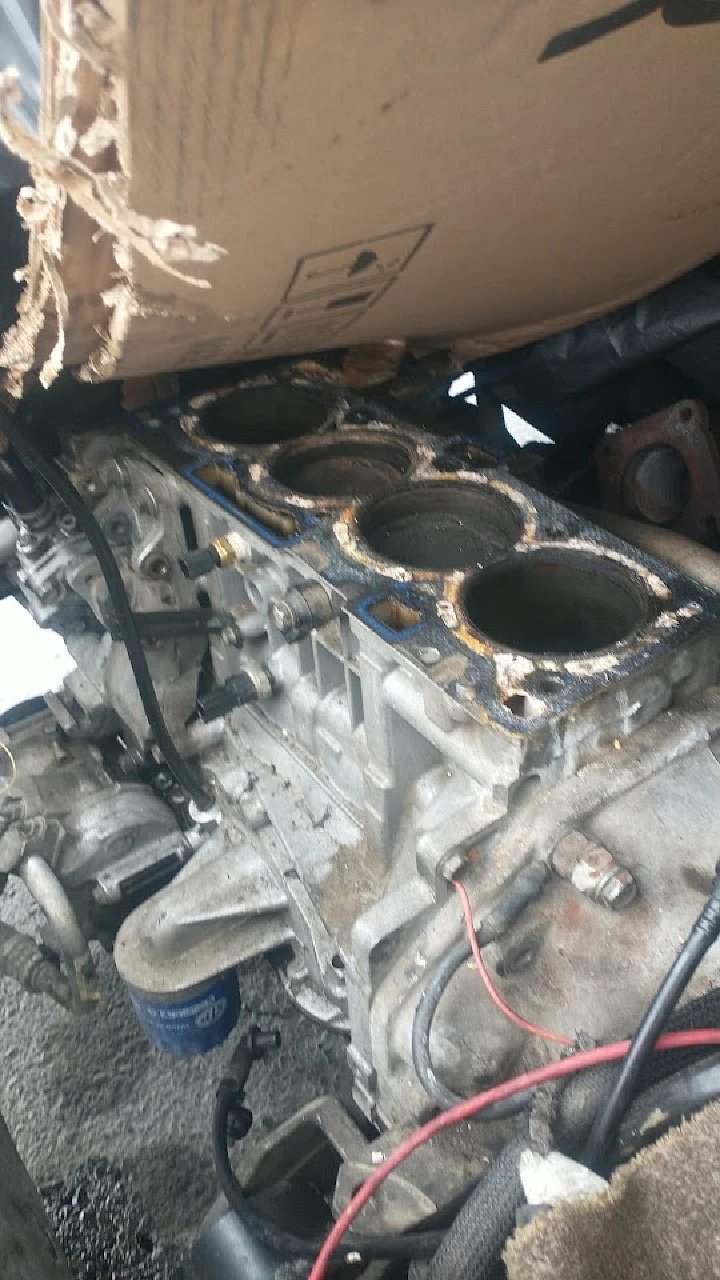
474 1243
19 493
417 1244
54 477
703 934
665 1105
585 1093
525 888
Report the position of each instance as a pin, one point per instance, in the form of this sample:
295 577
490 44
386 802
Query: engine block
422 669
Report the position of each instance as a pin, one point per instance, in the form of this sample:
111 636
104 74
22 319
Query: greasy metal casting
665 468
419 722
407 528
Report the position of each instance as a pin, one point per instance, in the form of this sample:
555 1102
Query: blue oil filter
192 1021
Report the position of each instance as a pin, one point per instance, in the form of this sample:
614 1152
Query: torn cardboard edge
81 32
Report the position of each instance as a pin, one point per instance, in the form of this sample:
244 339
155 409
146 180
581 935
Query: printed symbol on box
328 291
327 314
362 263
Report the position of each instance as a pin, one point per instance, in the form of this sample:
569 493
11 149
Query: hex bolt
282 616
593 871
300 611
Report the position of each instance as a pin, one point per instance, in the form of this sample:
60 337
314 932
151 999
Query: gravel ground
74 1089
105 1230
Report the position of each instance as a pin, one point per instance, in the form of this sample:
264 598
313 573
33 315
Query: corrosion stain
572 916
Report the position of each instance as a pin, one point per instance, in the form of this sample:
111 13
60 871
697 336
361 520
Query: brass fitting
229 549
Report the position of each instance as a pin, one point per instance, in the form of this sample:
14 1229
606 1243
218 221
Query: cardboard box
231 179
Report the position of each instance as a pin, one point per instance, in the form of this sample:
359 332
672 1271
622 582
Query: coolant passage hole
440 526
263 415
340 468
555 603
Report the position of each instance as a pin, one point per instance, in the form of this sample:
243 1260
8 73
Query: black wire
187 777
703 934
415 1244
435 988
525 888
665 1104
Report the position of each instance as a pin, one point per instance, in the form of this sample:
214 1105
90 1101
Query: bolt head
618 891
282 615
229 635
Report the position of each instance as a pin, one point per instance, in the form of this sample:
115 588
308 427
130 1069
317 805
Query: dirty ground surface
93 1088
105 1230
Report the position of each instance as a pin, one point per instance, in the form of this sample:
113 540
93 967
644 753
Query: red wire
493 993
466 1110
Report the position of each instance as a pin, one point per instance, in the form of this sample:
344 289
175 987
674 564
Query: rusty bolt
618 890
593 871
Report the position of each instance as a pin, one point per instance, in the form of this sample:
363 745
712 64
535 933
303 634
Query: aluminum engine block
427 670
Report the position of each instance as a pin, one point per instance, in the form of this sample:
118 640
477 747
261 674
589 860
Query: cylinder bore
263 415
554 602
363 467
440 527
